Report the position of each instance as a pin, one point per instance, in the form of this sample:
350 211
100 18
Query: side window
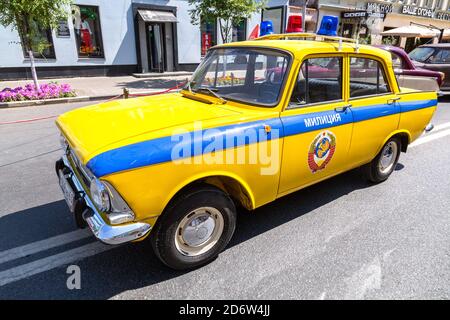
443 56
367 77
319 80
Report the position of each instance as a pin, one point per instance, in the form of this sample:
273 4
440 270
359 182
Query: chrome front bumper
102 230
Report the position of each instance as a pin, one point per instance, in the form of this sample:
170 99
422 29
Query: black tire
372 170
163 236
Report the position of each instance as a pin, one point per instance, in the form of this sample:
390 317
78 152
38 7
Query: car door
317 124
374 105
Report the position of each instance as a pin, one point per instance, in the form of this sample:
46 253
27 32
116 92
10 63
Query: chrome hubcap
388 156
199 231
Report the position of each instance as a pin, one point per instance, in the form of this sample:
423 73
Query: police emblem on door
321 151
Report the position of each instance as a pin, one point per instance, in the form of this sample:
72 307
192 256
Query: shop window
41 43
88 35
253 76
347 30
319 80
240 31
367 78
208 35
276 16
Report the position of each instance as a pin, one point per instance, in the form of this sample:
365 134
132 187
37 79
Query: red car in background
411 76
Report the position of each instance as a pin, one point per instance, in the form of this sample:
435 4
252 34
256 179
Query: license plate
69 194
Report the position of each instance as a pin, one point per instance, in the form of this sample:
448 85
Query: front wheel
195 228
384 163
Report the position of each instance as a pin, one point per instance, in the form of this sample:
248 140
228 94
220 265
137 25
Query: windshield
421 54
248 75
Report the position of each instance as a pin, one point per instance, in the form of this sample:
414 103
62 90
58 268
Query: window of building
88 35
208 35
367 77
240 31
319 80
41 43
276 15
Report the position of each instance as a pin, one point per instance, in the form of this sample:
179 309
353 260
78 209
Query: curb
162 75
29 103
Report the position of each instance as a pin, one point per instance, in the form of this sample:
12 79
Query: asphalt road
340 239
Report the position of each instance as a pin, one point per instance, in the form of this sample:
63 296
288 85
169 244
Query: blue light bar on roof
328 26
266 28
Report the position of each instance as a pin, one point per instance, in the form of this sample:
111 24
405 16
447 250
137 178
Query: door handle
343 108
393 100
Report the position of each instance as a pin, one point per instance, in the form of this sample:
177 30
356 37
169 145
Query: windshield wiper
213 93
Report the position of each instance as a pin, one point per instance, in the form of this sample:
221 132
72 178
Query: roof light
294 24
266 28
328 26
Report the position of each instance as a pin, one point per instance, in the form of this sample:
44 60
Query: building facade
104 37
366 20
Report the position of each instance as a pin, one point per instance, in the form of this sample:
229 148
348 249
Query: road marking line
430 138
42 245
441 127
52 262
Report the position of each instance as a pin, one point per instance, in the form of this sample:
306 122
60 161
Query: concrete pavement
110 86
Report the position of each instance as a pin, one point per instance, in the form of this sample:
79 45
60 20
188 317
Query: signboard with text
417 11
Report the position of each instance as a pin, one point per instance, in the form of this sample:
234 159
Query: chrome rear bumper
102 230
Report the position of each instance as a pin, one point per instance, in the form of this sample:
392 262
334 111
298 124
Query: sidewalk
96 87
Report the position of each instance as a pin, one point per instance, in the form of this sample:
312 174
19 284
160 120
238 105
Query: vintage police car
258 120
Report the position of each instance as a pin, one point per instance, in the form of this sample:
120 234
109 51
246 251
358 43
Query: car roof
300 48
436 45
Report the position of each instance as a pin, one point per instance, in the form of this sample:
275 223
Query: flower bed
51 90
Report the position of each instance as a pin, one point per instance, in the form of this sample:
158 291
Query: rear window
421 54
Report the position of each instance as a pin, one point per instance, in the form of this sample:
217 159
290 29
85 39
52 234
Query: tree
229 13
28 17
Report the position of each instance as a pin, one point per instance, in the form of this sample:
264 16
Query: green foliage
28 17
389 40
228 13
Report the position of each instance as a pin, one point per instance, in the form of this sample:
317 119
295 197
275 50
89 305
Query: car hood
105 126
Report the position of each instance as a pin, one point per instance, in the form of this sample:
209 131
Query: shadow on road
152 84
135 266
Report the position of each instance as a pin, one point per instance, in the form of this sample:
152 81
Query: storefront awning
412 31
157 16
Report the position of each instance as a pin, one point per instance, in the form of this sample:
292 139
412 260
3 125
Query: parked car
434 57
175 167
411 76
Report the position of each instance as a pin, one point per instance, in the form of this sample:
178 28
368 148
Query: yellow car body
126 143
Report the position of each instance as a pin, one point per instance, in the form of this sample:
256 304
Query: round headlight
100 195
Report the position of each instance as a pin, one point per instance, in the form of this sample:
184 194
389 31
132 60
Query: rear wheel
195 228
384 163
